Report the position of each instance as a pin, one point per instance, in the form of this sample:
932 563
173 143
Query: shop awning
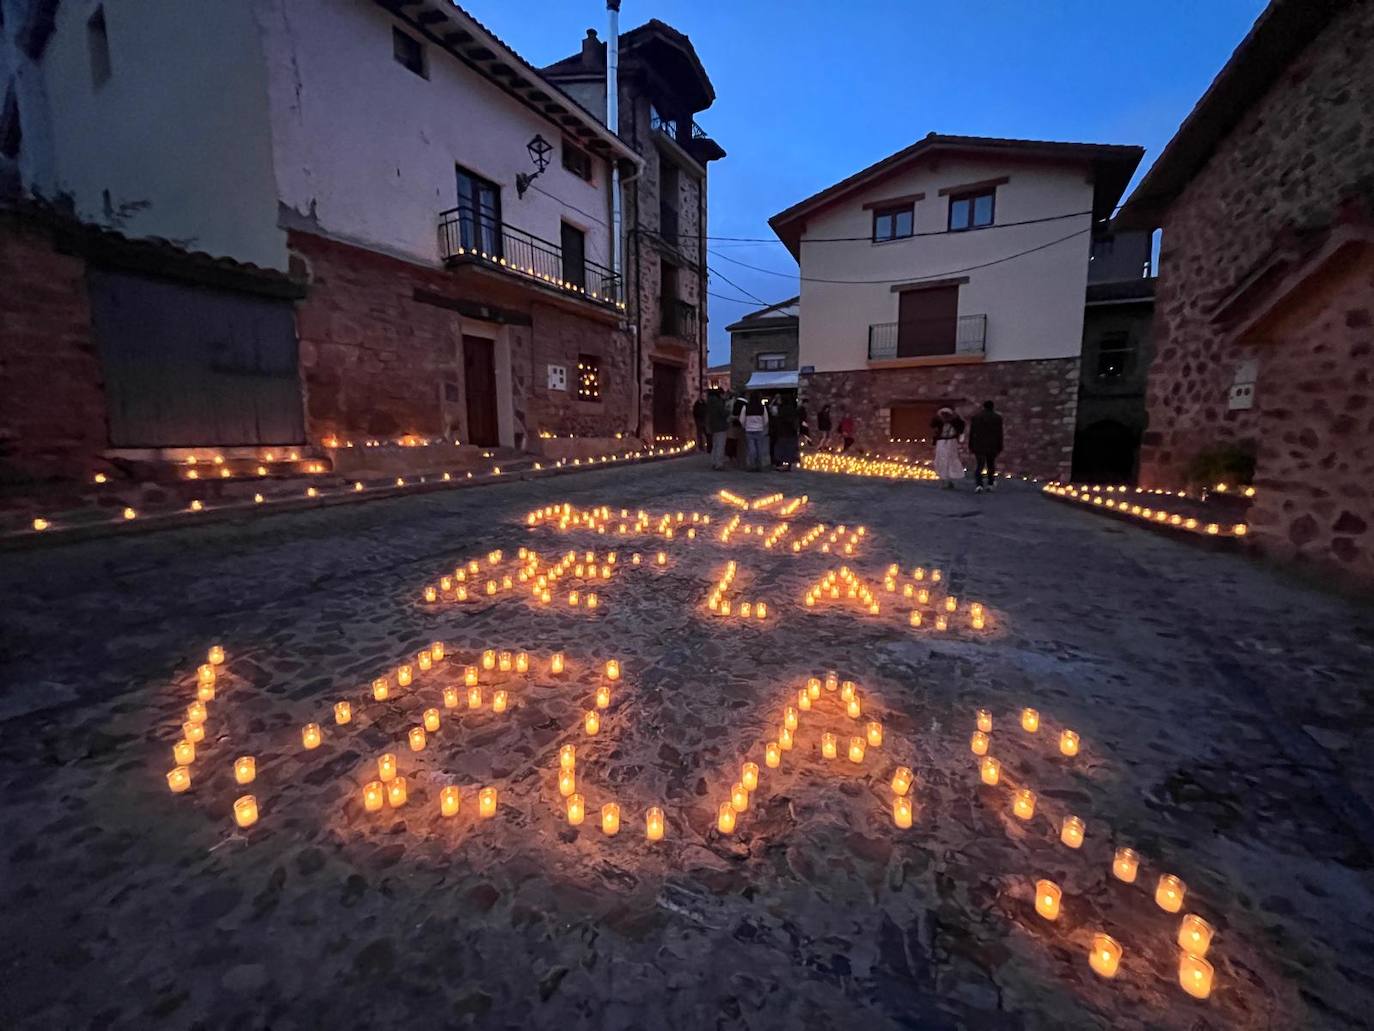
772 381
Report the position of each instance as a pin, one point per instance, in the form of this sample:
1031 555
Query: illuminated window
588 377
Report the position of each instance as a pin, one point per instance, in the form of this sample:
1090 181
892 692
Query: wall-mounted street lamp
539 149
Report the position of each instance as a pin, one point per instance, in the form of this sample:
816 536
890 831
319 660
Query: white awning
772 381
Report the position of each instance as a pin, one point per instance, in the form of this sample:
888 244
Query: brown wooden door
479 377
926 321
667 384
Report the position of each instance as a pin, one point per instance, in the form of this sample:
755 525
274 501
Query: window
574 243
892 223
669 188
479 214
409 52
588 377
98 44
576 160
1115 352
770 361
971 210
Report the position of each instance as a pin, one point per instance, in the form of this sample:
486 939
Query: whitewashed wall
1033 304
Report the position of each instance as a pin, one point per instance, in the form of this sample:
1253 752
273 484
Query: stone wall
376 362
746 347
1288 165
52 394
1037 399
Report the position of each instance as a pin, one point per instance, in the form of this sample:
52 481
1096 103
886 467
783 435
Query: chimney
593 51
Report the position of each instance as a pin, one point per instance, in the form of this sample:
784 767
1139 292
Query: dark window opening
892 223
574 250
588 377
98 44
770 362
409 52
11 131
576 160
972 210
669 185
1115 352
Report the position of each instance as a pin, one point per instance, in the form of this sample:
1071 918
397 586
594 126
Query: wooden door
927 321
667 385
479 378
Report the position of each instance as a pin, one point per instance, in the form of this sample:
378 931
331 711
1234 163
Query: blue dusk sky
808 92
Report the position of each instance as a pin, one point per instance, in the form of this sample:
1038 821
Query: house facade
662 86
764 344
446 211
950 273
1264 321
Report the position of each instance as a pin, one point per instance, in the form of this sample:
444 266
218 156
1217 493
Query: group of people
754 433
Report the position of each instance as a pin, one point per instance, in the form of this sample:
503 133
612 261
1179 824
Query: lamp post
539 149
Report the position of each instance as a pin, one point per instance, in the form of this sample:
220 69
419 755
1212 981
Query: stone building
949 273
766 341
662 86
1264 321
445 211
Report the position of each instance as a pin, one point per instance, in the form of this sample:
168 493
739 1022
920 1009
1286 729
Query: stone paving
1224 713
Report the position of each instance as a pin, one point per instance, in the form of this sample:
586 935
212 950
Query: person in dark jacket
823 427
699 418
985 441
788 427
717 422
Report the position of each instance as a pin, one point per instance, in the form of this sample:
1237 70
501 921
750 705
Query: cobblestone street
1224 727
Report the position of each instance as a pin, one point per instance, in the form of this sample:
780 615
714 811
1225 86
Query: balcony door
927 321
573 242
479 379
479 214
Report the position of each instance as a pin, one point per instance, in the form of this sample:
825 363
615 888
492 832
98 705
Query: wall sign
558 377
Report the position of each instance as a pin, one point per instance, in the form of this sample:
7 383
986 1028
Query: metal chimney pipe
613 124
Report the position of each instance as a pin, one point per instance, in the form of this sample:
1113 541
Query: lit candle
178 779
653 824
856 749
1071 833
1068 742
449 801
610 819
386 767
404 676
1125 865
1047 898
1105 956
941 623
205 674
772 755
216 655
577 809
184 753
1023 803
978 743
785 739
196 712
603 696
854 708
431 595
847 690
567 782
431 720
749 776
245 769
789 718
1195 935
832 680
396 792
474 698
505 662
985 721
193 732
1169 893
245 810
828 749
567 757
380 689
739 797
489 659
436 651
417 739
901 811
591 722
423 660
803 700
612 669
725 818
498 701
556 663
990 770
486 803
902 780
813 688
662 559
343 713
450 697
1030 720
1195 976
374 793
874 731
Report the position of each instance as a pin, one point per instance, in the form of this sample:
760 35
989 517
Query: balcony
466 236
679 319
964 337
691 137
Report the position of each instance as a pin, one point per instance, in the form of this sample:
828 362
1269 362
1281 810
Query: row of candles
1194 935
1155 516
1221 487
455 587
722 606
854 465
845 584
566 518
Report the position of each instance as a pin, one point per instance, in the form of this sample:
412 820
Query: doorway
667 387
479 380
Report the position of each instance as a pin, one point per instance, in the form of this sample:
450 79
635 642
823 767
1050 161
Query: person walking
846 431
756 433
985 441
717 421
823 427
803 424
699 418
734 431
788 427
946 429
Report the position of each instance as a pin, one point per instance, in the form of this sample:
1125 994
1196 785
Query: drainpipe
613 124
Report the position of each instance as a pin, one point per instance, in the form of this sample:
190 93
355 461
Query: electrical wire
722 275
869 237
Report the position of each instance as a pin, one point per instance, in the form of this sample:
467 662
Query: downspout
613 124
701 284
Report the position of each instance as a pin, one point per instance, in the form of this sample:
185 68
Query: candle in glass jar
1105 955
431 719
785 739
577 809
505 662
184 752
499 699
901 811
1169 893
847 689
567 757
470 676
417 739
789 718
1047 898
874 732
522 662
486 803
1125 865
1071 832
567 782
978 743
205 692
1195 975
739 797
216 655
556 663
603 697
205 674
985 721
404 676
854 708
902 780
450 697
828 746
245 769
245 810
489 659
193 732
591 722
1023 803
431 595
856 749
450 799
990 770
374 794
610 819
653 823
772 755
813 688
197 712
725 818
832 680
803 700
1030 720
749 776
396 792
343 713
380 689
386 767
612 669
178 779
424 661
1068 742
1195 935
474 698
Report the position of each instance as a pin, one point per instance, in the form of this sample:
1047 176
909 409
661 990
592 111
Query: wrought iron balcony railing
467 234
926 338
679 319
681 130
